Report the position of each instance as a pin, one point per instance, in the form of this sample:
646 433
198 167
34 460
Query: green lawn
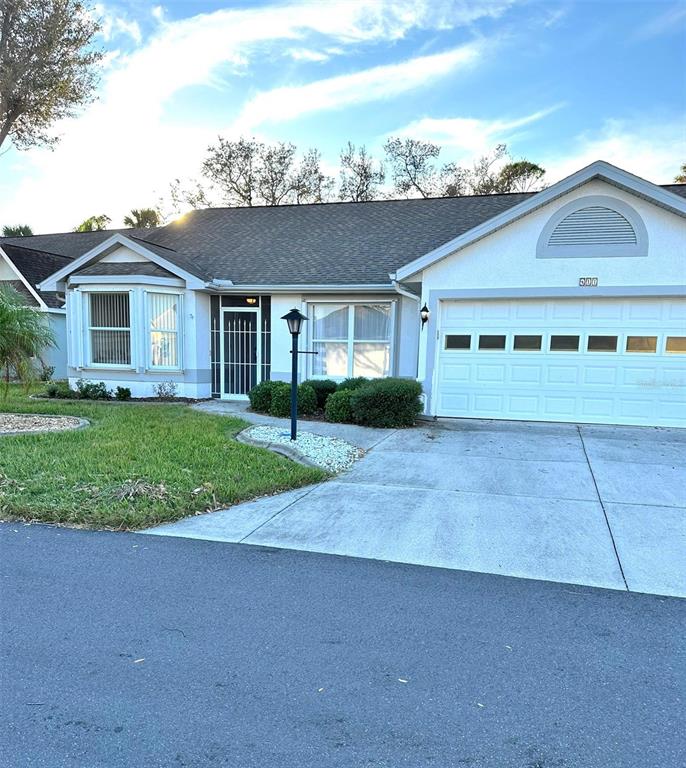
138 464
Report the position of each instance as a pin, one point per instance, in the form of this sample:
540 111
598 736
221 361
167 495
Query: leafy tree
20 230
94 223
47 68
24 334
143 218
680 178
360 180
274 178
520 176
412 166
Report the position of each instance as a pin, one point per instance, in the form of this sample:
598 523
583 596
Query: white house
563 305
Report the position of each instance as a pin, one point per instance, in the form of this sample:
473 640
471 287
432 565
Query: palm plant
20 230
24 334
143 218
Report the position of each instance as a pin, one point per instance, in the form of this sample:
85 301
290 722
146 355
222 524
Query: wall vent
594 225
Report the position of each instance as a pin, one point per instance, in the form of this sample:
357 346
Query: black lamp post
294 319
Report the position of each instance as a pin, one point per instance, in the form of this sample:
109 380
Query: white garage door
612 361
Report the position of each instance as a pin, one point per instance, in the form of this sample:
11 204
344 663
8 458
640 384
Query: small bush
387 403
281 400
354 383
322 388
92 390
338 406
260 396
122 393
46 372
61 389
165 390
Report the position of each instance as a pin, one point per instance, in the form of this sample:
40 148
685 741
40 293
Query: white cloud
669 22
652 150
123 150
465 138
373 84
113 24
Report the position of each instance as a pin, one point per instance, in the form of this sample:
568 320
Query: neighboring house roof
23 290
69 244
35 266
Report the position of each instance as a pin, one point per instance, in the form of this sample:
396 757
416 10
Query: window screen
109 329
163 311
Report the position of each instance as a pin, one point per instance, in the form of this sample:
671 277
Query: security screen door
240 358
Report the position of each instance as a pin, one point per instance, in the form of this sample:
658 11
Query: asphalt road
142 651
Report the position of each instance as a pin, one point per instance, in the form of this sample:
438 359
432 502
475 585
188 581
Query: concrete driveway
595 505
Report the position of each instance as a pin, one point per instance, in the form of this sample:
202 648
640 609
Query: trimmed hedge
387 403
281 400
354 383
322 388
260 396
338 406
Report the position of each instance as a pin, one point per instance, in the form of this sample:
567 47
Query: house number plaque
588 282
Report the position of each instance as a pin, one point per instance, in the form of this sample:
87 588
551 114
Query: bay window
109 329
351 339
163 327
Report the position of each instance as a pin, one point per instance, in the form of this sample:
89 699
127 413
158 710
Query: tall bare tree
233 167
310 183
413 166
360 179
47 67
274 172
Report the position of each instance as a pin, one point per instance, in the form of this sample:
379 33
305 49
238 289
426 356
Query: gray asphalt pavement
128 650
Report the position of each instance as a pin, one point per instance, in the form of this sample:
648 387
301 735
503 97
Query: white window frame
87 347
350 341
149 331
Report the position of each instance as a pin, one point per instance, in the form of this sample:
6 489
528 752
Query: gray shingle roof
124 268
36 266
331 243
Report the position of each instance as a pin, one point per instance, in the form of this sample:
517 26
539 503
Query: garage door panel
643 388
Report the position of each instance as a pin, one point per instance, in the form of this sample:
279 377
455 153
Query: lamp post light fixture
424 313
294 320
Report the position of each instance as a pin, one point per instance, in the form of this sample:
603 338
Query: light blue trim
467 294
545 251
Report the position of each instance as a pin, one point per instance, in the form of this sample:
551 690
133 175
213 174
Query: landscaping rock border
329 453
67 423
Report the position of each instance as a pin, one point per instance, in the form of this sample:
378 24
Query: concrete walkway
594 505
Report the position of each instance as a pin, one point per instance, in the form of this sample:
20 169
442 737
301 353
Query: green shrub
387 403
122 393
260 396
92 390
338 406
46 371
281 400
61 389
354 383
165 390
322 388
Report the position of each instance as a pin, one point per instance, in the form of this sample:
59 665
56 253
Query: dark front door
240 355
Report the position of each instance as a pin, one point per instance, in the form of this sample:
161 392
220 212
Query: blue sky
562 83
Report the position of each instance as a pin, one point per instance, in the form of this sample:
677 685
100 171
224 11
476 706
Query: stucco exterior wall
57 355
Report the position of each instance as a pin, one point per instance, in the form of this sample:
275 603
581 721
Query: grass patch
137 465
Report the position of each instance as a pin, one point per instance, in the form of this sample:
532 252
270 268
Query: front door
240 352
